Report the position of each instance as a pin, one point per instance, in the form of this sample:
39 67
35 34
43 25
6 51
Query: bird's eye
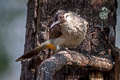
66 16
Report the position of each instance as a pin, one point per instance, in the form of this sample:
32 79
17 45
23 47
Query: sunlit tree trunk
99 42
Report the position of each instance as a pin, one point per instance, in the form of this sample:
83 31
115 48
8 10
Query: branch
48 68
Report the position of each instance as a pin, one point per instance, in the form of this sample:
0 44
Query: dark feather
55 32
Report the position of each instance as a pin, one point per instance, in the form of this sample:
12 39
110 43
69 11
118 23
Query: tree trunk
99 43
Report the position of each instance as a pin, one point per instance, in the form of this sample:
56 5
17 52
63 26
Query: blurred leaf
4 58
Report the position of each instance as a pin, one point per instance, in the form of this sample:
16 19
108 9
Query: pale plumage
68 31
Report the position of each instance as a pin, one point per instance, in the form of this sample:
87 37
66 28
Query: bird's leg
58 48
89 56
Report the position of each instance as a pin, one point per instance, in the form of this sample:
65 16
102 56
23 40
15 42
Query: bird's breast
72 29
73 35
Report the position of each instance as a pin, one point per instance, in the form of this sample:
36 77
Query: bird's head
61 17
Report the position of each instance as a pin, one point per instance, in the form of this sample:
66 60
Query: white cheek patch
68 19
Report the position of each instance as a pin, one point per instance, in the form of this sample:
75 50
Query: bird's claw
89 57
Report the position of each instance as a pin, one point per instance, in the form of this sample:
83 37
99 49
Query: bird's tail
35 51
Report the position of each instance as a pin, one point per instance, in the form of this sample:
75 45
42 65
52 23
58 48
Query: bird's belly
72 41
73 36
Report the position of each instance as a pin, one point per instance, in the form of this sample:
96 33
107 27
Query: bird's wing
55 32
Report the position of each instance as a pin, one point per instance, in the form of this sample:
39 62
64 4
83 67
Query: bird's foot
60 49
89 57
63 49
67 50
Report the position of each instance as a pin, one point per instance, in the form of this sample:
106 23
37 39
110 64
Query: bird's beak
54 24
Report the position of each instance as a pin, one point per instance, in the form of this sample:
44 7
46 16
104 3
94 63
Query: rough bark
117 64
95 54
50 66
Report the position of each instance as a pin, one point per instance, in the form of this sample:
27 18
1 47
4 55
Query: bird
68 30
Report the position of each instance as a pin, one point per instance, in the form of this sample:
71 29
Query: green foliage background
12 34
